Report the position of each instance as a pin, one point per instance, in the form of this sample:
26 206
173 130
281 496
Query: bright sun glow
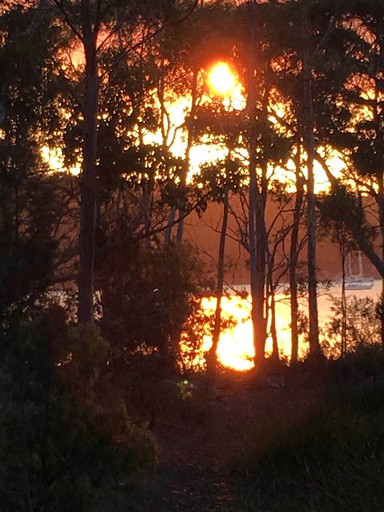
222 79
235 349
54 157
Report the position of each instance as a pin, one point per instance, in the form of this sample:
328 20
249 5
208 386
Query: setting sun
222 79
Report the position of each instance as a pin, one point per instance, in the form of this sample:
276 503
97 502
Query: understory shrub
332 461
58 441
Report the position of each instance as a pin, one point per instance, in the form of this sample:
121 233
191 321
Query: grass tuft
332 461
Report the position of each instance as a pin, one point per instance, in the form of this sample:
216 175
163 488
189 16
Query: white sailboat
358 281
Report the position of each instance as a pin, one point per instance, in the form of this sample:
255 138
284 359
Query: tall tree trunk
88 178
171 220
293 258
261 258
273 328
164 136
380 203
343 300
257 283
211 359
257 300
187 160
270 301
314 344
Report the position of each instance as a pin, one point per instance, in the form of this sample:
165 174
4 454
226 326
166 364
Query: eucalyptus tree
207 41
361 138
249 52
346 63
268 146
305 56
95 27
289 69
222 179
39 439
249 132
334 208
30 207
349 120
293 261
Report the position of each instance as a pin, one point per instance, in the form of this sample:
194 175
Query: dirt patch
199 459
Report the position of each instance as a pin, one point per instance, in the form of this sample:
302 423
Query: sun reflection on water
236 350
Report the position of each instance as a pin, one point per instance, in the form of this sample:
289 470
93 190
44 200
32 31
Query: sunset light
221 79
235 348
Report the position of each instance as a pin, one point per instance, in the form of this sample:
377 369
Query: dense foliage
331 460
60 439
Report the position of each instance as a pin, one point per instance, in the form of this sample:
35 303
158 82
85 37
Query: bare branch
148 37
60 6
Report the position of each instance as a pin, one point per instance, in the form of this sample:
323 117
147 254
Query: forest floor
202 458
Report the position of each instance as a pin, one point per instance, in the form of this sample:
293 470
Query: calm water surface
236 345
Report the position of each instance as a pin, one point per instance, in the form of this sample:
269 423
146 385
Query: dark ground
201 456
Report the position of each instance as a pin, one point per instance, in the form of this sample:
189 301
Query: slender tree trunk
271 305
314 344
257 284
270 315
343 302
171 220
88 178
272 308
380 196
257 301
380 202
164 137
211 359
261 257
293 258
180 226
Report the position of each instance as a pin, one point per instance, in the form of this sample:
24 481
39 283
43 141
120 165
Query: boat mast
360 264
349 264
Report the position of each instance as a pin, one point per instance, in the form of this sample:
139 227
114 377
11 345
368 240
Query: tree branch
149 36
60 6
